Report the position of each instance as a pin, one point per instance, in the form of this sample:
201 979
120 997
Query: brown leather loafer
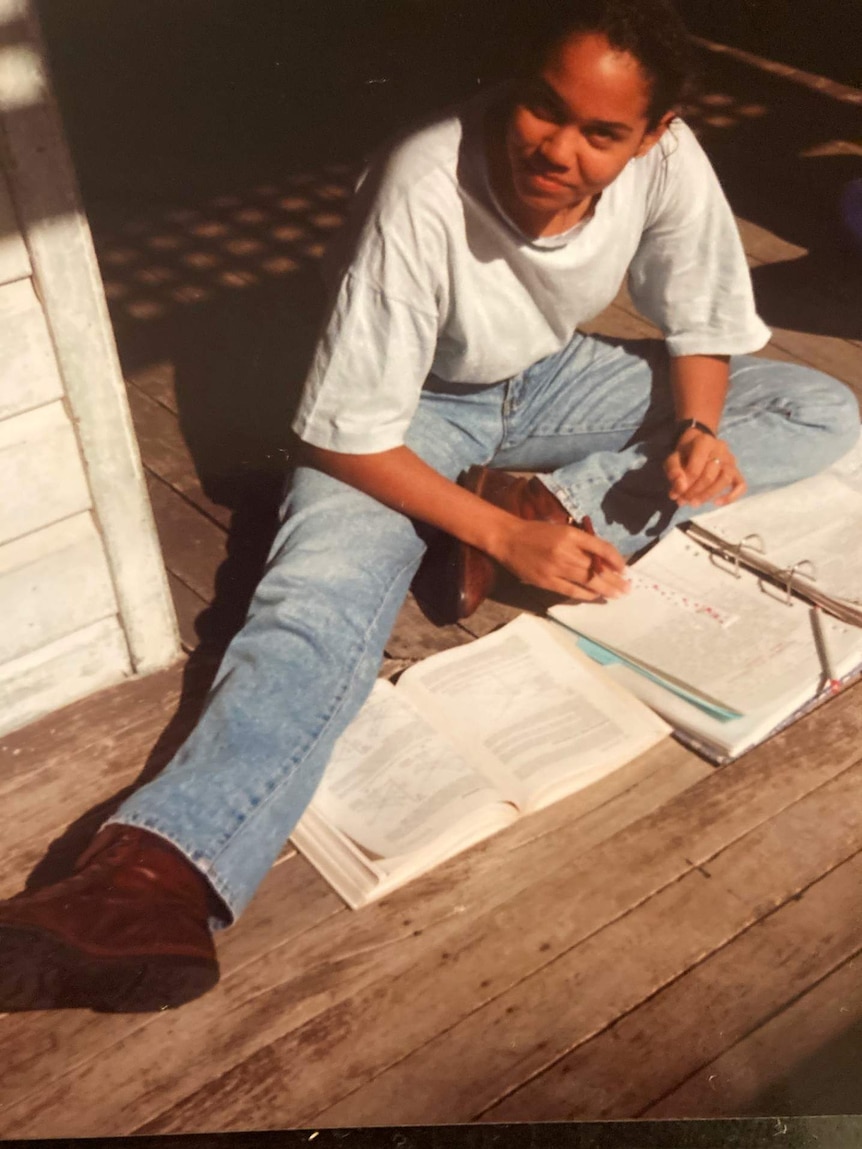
527 498
127 932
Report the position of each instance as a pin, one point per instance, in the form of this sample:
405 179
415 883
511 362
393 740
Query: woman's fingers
564 559
703 470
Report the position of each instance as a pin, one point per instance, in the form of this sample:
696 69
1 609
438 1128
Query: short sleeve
380 338
689 274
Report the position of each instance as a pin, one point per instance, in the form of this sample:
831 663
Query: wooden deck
675 941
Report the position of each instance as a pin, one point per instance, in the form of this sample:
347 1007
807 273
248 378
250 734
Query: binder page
819 519
542 712
733 640
394 784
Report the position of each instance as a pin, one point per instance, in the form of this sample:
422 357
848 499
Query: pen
832 679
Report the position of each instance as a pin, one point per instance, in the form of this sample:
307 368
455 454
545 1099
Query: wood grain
30 375
55 675
492 904
786 1064
14 261
588 987
167 456
675 1033
58 580
40 462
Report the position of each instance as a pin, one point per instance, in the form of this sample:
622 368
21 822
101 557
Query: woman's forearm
401 480
699 384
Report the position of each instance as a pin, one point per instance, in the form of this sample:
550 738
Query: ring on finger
715 459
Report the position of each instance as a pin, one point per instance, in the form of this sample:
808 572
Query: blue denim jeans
597 416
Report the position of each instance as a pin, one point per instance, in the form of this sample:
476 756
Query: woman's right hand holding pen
567 560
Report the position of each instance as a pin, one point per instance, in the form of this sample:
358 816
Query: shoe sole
39 971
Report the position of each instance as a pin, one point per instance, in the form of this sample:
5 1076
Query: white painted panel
88 660
67 277
14 261
28 367
52 583
42 478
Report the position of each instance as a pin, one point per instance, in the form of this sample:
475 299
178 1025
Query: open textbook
736 625
468 741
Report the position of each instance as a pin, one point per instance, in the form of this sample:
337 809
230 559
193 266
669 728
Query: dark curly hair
650 30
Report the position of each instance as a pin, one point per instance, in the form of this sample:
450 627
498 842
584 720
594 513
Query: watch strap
683 425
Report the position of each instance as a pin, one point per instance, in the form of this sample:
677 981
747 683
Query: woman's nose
560 149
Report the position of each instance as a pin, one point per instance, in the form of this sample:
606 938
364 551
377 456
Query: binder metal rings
744 542
788 574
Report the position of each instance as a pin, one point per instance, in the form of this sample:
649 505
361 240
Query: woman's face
573 128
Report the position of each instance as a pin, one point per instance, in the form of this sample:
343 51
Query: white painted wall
84 598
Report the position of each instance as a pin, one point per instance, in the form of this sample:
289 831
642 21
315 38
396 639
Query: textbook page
548 717
394 784
819 519
734 640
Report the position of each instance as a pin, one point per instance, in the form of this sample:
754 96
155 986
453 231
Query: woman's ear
652 137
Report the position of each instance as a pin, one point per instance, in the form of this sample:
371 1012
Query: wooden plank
65 670
30 375
292 903
39 461
324 979
43 186
188 606
59 582
524 1029
715 1004
164 452
764 246
14 261
157 381
837 357
57 779
805 1060
193 546
491 902
58 768
621 321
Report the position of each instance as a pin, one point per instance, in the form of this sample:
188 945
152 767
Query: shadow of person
238 371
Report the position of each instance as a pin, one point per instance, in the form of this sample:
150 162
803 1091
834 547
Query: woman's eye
542 111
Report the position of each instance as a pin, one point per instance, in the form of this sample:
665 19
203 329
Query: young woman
480 244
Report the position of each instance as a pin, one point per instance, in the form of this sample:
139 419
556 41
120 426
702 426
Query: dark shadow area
784 154
827 1082
817 38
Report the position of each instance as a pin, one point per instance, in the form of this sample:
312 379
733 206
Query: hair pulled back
649 30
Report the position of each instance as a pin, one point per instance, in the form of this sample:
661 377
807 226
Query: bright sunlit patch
190 293
201 260
165 242
237 279
279 265
22 81
145 309
293 203
287 232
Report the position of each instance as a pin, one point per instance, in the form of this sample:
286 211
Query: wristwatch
683 425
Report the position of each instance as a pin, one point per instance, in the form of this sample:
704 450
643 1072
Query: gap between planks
256 1020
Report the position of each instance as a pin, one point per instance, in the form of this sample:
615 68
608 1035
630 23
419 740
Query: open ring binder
799 580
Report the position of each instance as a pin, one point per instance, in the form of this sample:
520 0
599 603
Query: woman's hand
562 559
702 469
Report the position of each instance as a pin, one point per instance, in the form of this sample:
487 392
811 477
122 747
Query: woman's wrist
689 424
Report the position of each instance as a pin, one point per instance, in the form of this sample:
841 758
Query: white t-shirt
440 282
